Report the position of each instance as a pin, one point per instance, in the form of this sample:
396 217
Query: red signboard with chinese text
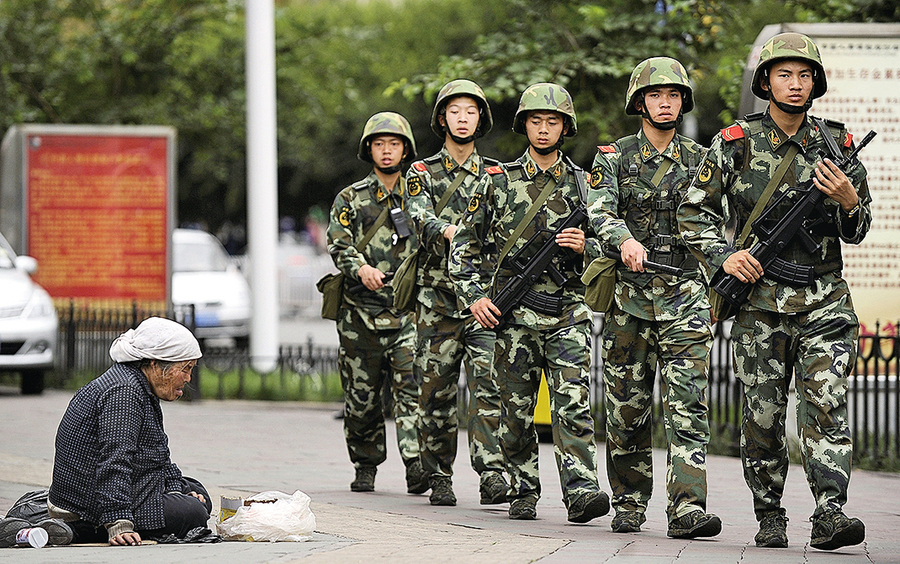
97 208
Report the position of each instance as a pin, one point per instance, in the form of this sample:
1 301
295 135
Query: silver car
28 322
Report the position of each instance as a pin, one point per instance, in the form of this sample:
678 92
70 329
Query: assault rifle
806 212
529 268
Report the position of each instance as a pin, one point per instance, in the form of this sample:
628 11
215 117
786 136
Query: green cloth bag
332 287
600 281
404 283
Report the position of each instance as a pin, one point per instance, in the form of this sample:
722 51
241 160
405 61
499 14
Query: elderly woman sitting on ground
112 477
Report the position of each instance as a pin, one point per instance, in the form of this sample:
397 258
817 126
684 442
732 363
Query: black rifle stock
773 234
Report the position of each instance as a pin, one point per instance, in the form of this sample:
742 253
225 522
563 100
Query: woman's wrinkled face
168 382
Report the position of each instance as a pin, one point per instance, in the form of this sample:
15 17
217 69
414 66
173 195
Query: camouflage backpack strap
740 132
433 164
379 221
690 155
630 161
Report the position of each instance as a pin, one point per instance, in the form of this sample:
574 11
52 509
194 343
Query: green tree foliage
181 63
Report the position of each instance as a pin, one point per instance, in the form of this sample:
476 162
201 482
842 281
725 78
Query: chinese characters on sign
98 216
864 93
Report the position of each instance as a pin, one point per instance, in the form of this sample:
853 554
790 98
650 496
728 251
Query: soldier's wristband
853 211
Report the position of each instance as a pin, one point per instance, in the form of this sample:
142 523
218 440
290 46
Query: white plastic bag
288 518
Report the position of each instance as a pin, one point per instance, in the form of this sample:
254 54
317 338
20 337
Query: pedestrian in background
805 329
655 319
551 335
439 190
369 235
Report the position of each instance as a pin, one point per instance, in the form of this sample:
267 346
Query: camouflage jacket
355 210
624 203
737 168
427 182
493 216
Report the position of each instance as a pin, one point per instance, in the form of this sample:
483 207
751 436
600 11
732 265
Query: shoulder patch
606 148
420 166
494 170
733 132
361 185
848 142
414 185
433 159
755 116
489 161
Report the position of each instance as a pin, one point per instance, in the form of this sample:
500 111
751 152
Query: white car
204 275
28 321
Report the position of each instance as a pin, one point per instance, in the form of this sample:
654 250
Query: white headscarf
157 339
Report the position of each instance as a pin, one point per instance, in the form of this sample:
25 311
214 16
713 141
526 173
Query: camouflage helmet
545 96
386 123
789 45
658 71
462 87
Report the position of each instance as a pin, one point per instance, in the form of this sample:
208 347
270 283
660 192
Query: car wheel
32 382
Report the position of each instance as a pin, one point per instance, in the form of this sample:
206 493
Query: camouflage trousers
819 349
365 359
563 355
633 348
444 344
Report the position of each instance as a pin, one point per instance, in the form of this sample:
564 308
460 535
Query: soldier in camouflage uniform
551 339
808 331
376 340
447 335
655 319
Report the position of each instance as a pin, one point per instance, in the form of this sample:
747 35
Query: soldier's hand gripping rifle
806 212
648 264
527 269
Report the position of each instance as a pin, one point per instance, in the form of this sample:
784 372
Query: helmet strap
389 169
461 140
550 149
790 108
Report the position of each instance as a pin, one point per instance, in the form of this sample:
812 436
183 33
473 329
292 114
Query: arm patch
494 170
420 166
733 132
848 142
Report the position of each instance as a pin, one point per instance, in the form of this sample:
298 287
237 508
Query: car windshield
199 257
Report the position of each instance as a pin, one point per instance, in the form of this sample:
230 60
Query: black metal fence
873 399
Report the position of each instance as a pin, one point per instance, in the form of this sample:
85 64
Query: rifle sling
378 222
532 211
457 182
767 193
660 172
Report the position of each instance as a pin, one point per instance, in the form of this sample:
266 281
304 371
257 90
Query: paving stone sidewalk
241 448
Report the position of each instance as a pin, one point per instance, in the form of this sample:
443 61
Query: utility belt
671 251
